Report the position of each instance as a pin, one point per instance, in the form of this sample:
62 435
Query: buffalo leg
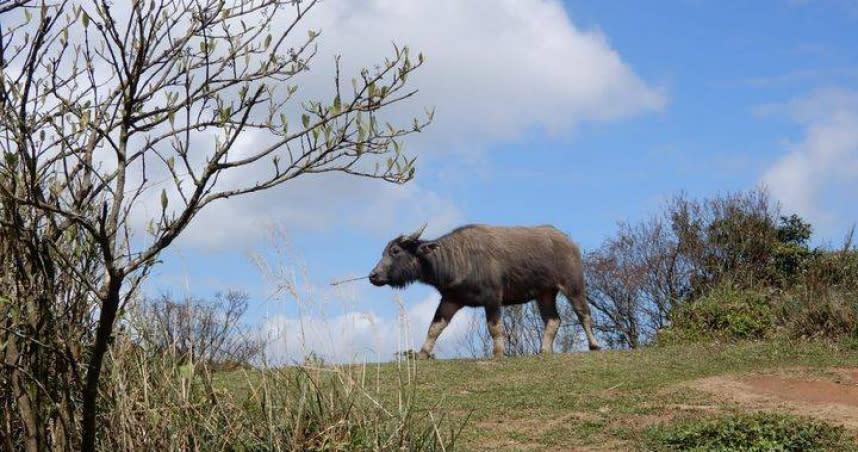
493 319
445 312
582 310
547 303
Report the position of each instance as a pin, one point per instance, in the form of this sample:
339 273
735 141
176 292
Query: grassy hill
624 400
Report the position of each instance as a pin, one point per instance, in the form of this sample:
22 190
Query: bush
675 260
832 269
723 314
730 314
829 314
754 432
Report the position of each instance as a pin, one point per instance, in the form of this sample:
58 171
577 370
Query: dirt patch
832 397
814 392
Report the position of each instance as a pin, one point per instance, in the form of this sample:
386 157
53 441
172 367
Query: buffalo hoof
425 355
595 347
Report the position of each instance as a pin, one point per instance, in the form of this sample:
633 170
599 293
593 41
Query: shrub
729 314
725 313
649 269
754 432
829 314
832 269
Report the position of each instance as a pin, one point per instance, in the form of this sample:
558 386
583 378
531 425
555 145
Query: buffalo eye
394 251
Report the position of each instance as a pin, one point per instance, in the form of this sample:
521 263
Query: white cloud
818 175
493 68
361 336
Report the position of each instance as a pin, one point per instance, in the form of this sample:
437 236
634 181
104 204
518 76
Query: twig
337 283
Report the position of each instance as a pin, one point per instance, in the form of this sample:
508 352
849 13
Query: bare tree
200 331
523 328
105 110
614 287
634 280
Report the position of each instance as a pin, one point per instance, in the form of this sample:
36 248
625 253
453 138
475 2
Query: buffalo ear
427 248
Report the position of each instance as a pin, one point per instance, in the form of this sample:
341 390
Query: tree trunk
22 399
109 307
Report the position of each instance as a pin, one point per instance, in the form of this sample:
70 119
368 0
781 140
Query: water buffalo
490 266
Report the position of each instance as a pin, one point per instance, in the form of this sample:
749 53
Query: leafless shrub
199 331
523 328
634 280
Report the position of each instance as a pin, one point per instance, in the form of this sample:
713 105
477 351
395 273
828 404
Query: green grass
758 432
607 399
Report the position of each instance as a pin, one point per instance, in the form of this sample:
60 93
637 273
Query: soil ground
828 394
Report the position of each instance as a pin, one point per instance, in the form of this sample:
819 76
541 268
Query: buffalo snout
376 279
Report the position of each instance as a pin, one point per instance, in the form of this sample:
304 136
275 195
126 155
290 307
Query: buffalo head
400 263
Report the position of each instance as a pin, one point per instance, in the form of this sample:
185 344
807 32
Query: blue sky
577 113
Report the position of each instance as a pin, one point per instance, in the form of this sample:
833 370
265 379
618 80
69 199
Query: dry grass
155 403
